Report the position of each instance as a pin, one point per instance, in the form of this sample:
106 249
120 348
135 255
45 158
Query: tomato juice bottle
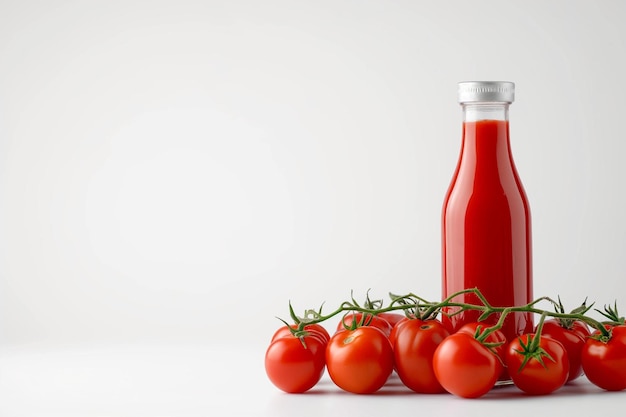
486 225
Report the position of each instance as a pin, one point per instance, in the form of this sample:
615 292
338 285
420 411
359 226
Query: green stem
413 302
534 345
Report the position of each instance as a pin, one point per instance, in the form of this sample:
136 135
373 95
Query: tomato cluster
365 349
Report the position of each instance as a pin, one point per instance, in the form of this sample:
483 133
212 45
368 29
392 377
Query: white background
172 173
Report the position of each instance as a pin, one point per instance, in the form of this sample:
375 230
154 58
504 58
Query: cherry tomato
292 366
392 318
364 320
465 367
571 339
604 362
394 330
316 327
537 377
581 328
414 347
359 360
496 337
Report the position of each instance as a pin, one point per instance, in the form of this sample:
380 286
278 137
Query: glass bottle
486 224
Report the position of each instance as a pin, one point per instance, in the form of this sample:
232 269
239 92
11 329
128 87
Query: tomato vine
429 357
415 306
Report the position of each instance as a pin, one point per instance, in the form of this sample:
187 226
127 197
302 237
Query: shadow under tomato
571 389
395 387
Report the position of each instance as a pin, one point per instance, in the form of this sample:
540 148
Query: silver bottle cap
486 91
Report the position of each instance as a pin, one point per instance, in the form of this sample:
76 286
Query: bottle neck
473 112
485 150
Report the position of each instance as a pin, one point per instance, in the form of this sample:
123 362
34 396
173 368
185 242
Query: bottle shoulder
507 195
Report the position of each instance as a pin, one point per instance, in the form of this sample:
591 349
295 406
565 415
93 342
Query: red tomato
318 328
312 328
572 341
604 362
360 360
415 344
581 328
394 330
465 367
497 337
535 377
392 318
291 366
364 320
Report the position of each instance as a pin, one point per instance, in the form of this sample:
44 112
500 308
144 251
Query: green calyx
568 323
605 336
532 350
415 307
611 313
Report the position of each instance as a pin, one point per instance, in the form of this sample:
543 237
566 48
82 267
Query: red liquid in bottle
486 229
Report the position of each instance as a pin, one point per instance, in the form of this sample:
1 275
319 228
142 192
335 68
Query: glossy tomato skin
320 329
392 318
360 360
394 330
581 328
312 328
535 378
573 342
291 366
368 320
496 337
604 363
414 346
465 367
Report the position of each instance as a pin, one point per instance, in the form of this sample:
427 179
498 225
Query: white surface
171 171
229 380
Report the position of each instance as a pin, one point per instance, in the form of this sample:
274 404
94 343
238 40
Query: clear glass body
486 223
